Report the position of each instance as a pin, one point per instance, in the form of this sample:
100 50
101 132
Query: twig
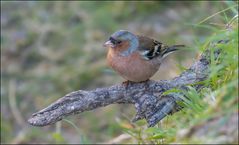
13 104
118 139
147 96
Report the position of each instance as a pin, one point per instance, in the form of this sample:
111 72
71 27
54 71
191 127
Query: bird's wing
150 48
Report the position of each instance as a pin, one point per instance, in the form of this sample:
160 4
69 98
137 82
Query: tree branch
147 96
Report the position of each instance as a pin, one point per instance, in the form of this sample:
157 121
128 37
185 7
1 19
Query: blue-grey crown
121 34
126 35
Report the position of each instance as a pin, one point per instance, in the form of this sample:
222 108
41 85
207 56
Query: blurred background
49 49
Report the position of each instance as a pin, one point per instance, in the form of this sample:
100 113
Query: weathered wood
147 96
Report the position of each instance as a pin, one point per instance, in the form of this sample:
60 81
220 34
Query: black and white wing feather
150 48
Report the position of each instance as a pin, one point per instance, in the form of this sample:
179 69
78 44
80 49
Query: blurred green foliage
49 49
211 114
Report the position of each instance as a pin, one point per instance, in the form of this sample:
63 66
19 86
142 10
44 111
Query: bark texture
147 97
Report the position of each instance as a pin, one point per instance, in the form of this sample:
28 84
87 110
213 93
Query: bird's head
122 40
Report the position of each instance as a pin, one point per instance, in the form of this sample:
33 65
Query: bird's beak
108 44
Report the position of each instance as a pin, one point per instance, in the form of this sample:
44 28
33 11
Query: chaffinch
136 58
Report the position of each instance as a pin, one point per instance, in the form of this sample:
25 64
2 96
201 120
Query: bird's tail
169 49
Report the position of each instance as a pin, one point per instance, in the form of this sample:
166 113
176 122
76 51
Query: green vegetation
49 49
218 100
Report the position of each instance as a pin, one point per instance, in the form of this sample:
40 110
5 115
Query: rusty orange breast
132 67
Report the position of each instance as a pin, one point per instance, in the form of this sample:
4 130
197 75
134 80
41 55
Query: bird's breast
131 67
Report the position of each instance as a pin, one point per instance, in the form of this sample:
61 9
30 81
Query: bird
135 57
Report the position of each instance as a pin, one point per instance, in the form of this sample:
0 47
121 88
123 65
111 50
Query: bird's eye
118 42
114 41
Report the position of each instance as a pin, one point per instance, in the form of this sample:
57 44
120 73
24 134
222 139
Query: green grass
218 99
53 48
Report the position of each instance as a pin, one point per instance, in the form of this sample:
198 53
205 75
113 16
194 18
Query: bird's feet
126 83
144 81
